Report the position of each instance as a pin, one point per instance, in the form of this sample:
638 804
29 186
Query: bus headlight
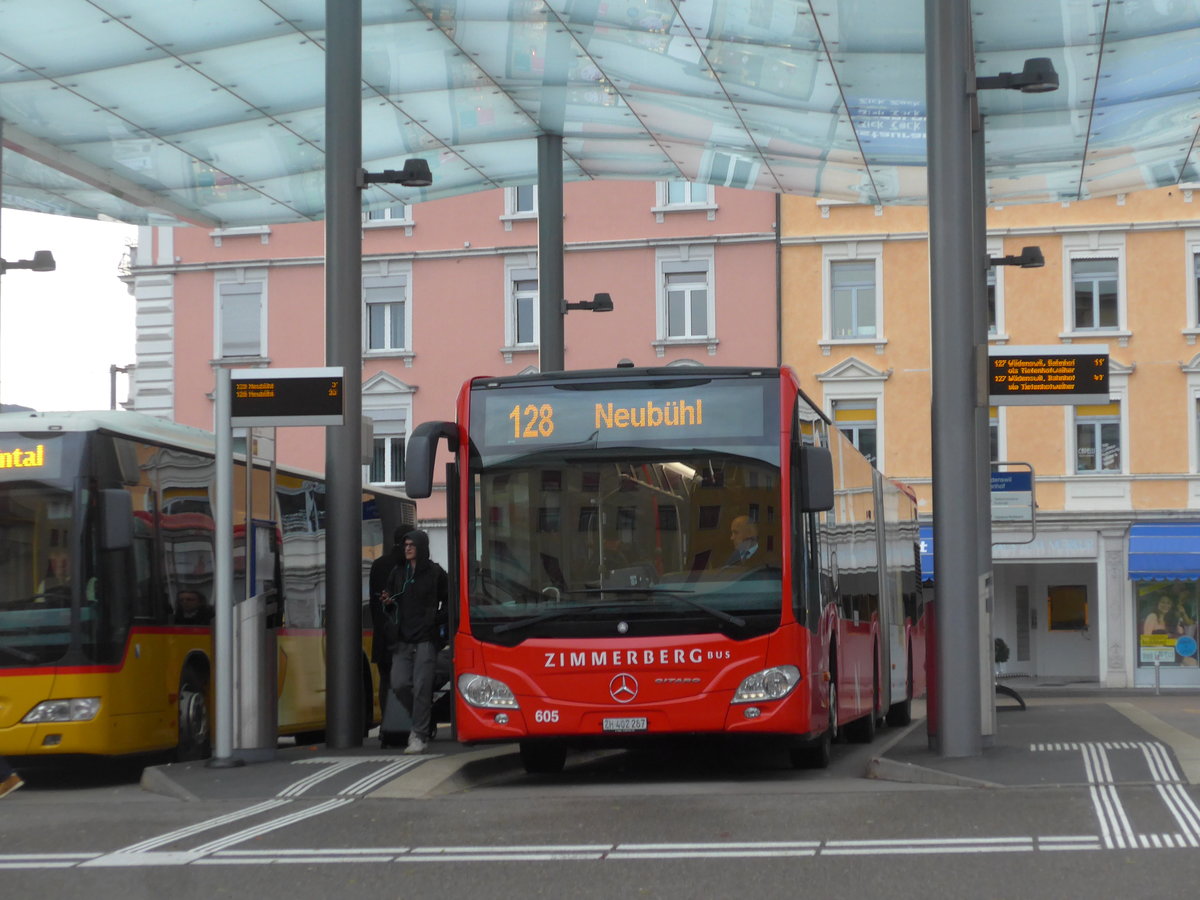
769 684
488 693
79 709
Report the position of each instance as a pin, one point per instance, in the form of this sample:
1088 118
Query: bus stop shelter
235 113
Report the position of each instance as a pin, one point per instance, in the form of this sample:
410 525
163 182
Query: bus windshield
35 574
630 543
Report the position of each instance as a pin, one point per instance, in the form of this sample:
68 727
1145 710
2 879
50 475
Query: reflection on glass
633 545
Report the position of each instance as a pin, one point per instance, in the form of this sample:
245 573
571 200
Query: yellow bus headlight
78 709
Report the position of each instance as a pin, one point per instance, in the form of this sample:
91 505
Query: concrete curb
448 774
157 781
883 769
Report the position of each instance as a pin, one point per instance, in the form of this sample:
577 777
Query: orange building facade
1116 481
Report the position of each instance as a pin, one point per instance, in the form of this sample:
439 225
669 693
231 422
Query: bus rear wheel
195 738
543 757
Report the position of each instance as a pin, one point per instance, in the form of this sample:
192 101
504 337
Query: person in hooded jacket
415 604
381 571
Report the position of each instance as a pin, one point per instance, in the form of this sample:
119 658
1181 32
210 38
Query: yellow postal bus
106 583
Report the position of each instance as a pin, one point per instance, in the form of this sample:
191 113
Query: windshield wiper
720 614
557 612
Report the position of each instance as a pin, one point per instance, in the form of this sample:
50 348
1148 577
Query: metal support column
343 337
955 525
551 292
222 503
983 444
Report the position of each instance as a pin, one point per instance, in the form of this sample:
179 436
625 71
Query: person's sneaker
415 745
10 784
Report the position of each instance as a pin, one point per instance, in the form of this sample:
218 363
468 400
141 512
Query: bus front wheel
194 736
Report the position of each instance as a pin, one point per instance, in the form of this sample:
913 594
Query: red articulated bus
647 553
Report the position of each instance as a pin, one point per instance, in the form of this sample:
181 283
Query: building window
387 403
387 311
396 214
1094 283
1195 323
399 212
525 311
684 196
858 421
1098 439
387 460
241 318
687 304
521 200
852 298
690 193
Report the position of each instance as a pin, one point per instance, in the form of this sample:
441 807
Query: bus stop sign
263 397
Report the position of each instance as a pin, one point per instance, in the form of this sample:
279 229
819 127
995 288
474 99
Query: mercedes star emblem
623 688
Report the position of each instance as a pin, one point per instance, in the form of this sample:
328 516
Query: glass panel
524 199
699 313
396 448
1068 607
848 124
1085 447
866 443
396 312
241 315
676 314
378 457
524 307
1110 446
376 326
1166 611
595 547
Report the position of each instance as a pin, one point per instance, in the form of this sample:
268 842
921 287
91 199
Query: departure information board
716 413
263 397
1048 376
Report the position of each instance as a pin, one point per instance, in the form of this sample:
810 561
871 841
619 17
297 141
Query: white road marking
173 836
1115 827
1116 830
273 825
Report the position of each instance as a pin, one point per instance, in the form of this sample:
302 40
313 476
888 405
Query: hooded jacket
420 591
381 571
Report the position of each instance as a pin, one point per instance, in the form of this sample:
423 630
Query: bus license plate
627 724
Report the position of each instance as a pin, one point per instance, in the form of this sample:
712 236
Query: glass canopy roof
210 111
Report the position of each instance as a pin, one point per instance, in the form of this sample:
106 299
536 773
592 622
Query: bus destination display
539 417
1037 376
263 397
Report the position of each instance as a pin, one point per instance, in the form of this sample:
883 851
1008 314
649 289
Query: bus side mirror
422 448
116 519
816 479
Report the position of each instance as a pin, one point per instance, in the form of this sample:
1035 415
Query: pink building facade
450 292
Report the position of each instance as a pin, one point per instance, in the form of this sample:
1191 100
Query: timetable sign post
265 397
1054 375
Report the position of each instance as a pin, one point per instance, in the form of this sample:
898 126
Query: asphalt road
1120 821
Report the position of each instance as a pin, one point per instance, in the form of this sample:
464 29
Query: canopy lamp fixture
1030 258
1037 77
598 303
43 261
414 174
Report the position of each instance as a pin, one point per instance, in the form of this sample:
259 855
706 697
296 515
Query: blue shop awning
927 553
1164 551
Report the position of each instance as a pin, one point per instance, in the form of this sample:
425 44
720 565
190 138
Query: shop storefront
1164 570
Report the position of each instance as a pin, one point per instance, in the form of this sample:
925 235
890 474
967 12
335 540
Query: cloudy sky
61 331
